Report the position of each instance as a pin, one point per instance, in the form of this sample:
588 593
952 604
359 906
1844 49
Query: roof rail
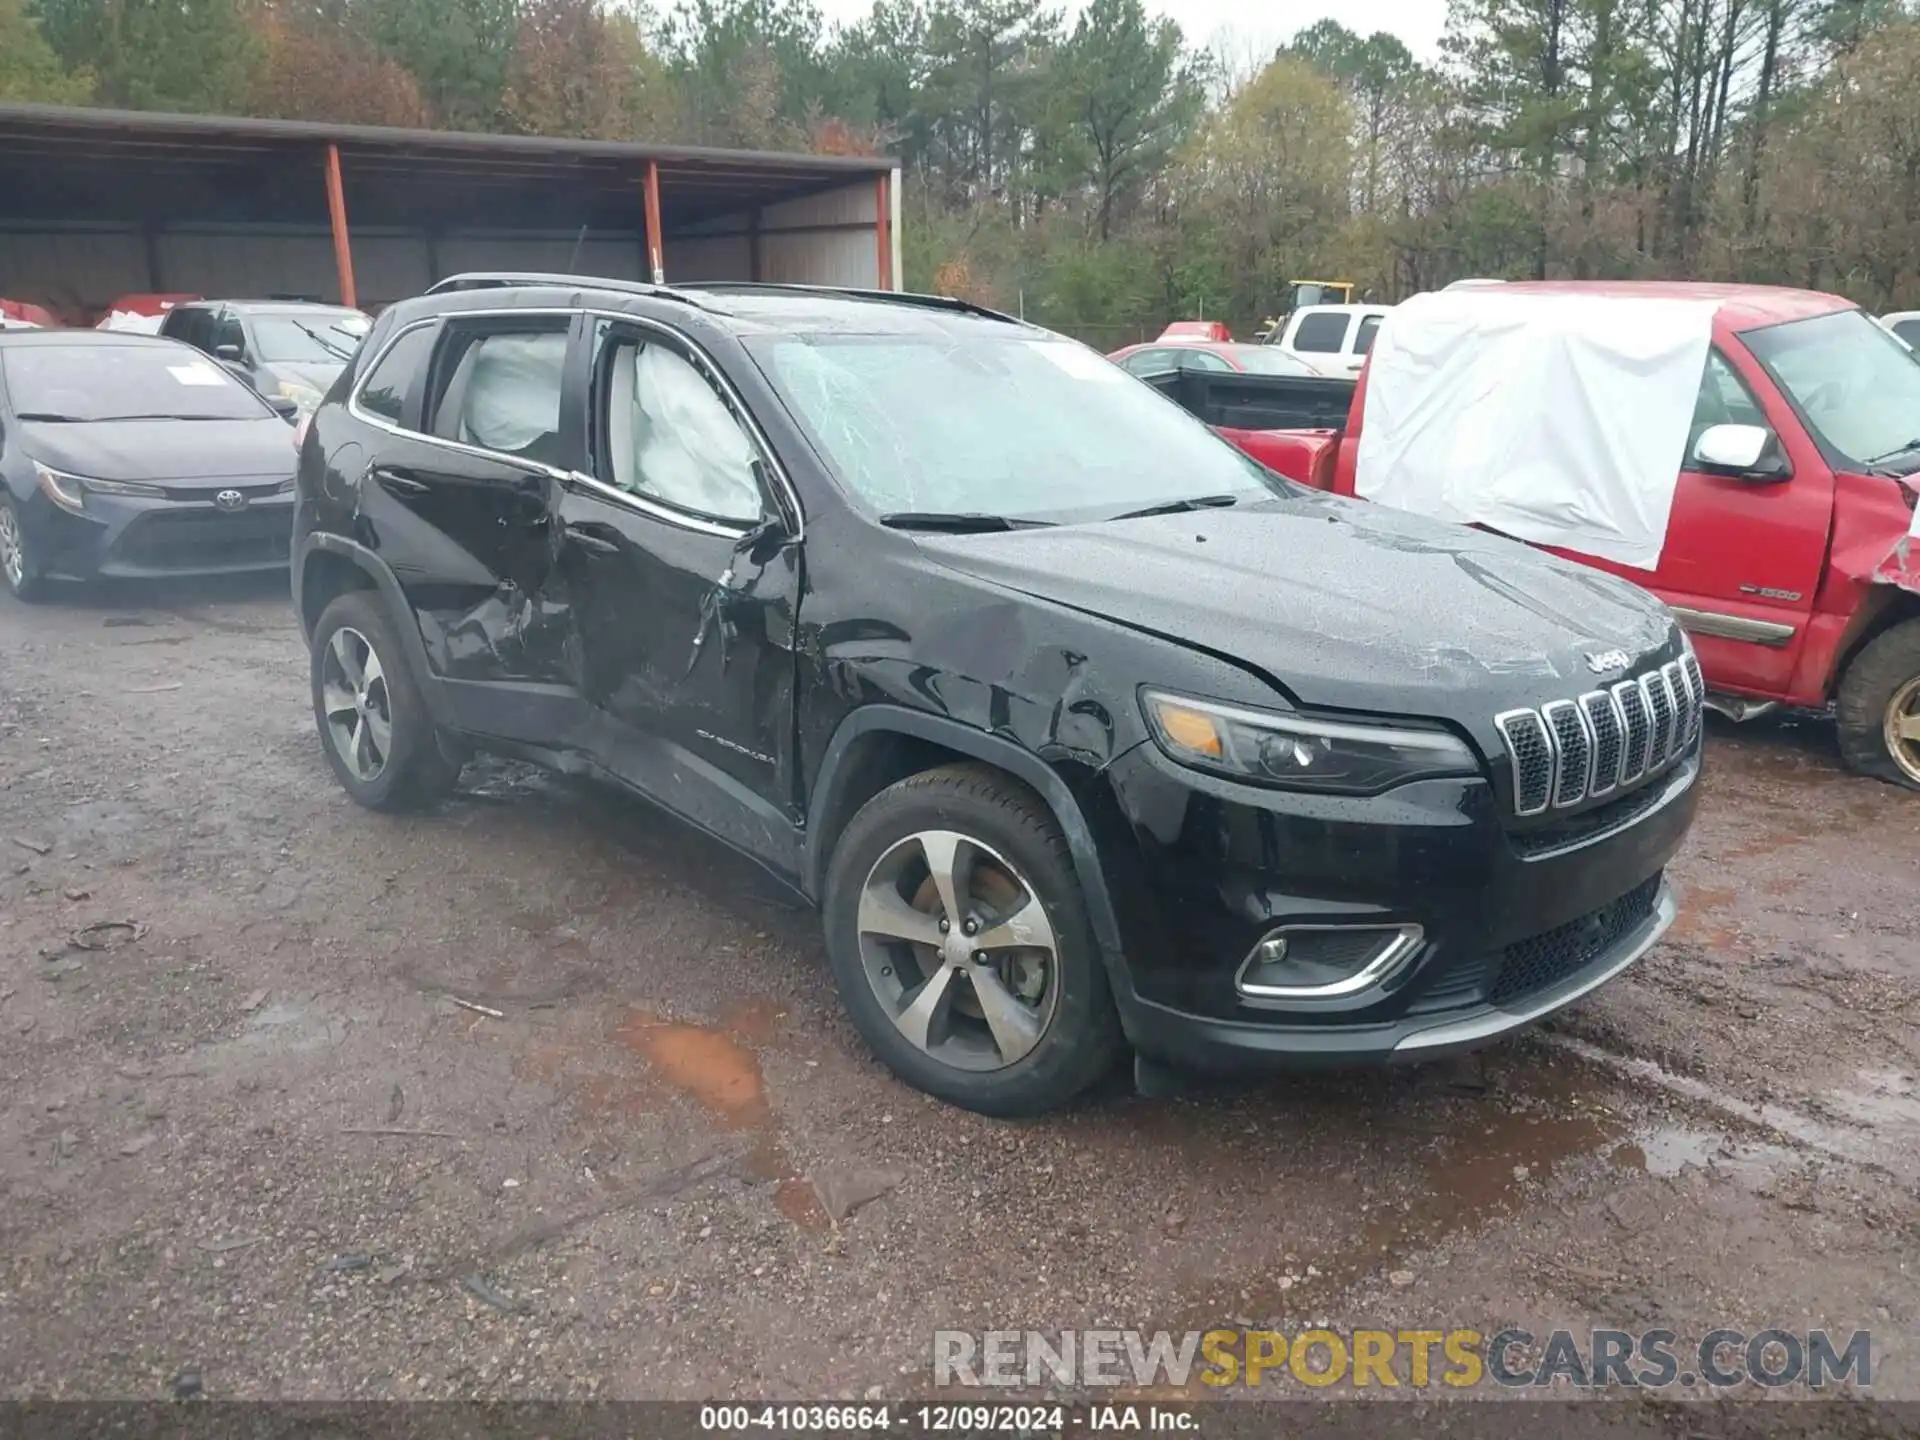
503 279
896 297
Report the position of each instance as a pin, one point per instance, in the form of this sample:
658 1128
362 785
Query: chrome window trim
1501 723
1405 944
656 510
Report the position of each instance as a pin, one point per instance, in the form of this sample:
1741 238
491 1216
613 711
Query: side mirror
1742 452
283 407
228 352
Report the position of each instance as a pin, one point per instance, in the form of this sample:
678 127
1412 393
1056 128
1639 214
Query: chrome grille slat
1609 726
1632 701
1569 751
1531 751
1660 706
1567 726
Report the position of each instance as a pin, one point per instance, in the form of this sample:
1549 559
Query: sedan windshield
123 382
1855 385
1014 425
309 337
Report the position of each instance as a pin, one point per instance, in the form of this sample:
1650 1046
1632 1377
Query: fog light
1325 962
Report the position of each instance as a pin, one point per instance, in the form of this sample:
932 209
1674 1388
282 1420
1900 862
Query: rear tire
17 566
1879 707
373 720
1015 1028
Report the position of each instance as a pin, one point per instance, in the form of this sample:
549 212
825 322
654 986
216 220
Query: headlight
305 396
70 492
64 490
1300 752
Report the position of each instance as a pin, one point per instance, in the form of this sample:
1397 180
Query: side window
1203 360
500 390
1909 331
1724 400
186 324
1322 333
1363 337
385 391
224 329
1148 362
670 437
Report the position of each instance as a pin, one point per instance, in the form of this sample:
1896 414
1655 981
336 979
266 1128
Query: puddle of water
1839 1141
718 1070
1669 1150
1880 1100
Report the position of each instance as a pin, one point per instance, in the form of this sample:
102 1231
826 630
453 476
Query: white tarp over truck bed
1559 419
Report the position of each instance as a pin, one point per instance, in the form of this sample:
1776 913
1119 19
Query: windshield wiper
322 342
958 522
48 417
1179 507
1896 452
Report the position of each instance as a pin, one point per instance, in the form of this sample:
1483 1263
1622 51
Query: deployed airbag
1558 419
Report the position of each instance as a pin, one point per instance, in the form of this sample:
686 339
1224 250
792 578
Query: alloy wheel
359 709
1901 729
13 549
959 951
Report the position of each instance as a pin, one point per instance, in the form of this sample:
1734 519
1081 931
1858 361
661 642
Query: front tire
374 724
1879 707
961 947
17 566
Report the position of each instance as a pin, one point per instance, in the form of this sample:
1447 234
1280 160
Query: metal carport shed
100 203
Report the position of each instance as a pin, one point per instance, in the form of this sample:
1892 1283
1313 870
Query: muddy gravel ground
542 1095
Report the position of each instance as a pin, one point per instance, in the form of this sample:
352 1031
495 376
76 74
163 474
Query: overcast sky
1257 26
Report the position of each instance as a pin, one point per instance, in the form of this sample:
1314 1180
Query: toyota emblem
230 500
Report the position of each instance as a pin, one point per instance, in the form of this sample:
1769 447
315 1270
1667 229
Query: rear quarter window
392 378
1321 334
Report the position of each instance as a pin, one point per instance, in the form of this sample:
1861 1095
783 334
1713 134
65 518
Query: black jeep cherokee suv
1080 727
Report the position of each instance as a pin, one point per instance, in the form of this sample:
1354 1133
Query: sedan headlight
70 492
1300 752
66 491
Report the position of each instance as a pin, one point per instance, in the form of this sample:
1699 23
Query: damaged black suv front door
683 566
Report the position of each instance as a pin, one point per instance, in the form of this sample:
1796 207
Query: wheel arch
328 566
878 745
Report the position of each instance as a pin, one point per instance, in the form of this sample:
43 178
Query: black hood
1341 604
174 452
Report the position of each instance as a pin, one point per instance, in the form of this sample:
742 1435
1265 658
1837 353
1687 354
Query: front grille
1529 966
1571 830
1571 751
253 490
192 539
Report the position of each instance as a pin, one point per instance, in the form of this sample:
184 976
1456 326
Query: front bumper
1510 929
125 537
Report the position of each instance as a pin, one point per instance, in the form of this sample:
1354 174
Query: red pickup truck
1786 552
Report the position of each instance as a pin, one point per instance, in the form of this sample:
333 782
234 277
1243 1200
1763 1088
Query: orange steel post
655 261
883 229
337 212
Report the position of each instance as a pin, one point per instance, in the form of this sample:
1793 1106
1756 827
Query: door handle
398 481
592 544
